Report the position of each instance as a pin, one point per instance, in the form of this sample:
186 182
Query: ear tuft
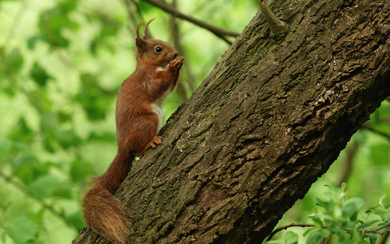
139 25
141 43
146 34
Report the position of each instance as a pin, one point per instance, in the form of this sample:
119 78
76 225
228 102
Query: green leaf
381 199
352 206
99 136
21 131
50 186
80 170
9 91
67 138
145 7
372 236
354 216
349 224
21 229
49 122
347 242
290 238
48 125
343 186
64 117
387 205
4 196
350 210
309 231
48 144
33 40
15 59
26 168
5 149
323 204
314 238
22 160
39 75
40 99
75 220
317 220
324 233
380 212
369 210
95 100
386 216
368 223
45 186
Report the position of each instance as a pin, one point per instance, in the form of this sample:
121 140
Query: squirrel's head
151 52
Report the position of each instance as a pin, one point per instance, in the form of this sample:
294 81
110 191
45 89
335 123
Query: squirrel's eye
158 49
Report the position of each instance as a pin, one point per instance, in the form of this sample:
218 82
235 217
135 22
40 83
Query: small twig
347 169
277 26
370 128
286 227
377 229
311 225
131 13
177 44
384 237
223 34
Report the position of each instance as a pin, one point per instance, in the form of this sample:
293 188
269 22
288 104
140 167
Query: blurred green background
61 64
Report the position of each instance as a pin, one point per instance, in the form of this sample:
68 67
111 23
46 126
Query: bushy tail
103 213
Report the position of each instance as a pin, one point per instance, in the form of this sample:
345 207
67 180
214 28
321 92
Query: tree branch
347 169
180 89
223 34
131 13
384 237
286 227
368 127
277 26
376 230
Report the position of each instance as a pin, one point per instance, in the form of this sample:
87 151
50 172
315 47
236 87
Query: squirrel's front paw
177 63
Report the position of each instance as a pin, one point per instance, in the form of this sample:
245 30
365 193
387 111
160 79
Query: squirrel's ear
146 34
139 27
142 46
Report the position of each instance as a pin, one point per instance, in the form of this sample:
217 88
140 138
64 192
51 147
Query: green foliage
342 220
22 224
61 64
39 75
290 238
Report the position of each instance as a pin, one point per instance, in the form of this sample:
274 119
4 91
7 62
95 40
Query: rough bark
270 119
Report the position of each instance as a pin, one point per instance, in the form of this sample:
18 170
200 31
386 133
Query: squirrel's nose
175 54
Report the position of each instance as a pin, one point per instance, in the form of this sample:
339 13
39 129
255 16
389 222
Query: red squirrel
138 118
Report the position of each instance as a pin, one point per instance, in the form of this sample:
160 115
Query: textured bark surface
268 121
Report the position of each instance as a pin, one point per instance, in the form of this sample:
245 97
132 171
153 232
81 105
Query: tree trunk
270 119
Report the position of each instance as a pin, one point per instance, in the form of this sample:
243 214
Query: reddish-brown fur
137 125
